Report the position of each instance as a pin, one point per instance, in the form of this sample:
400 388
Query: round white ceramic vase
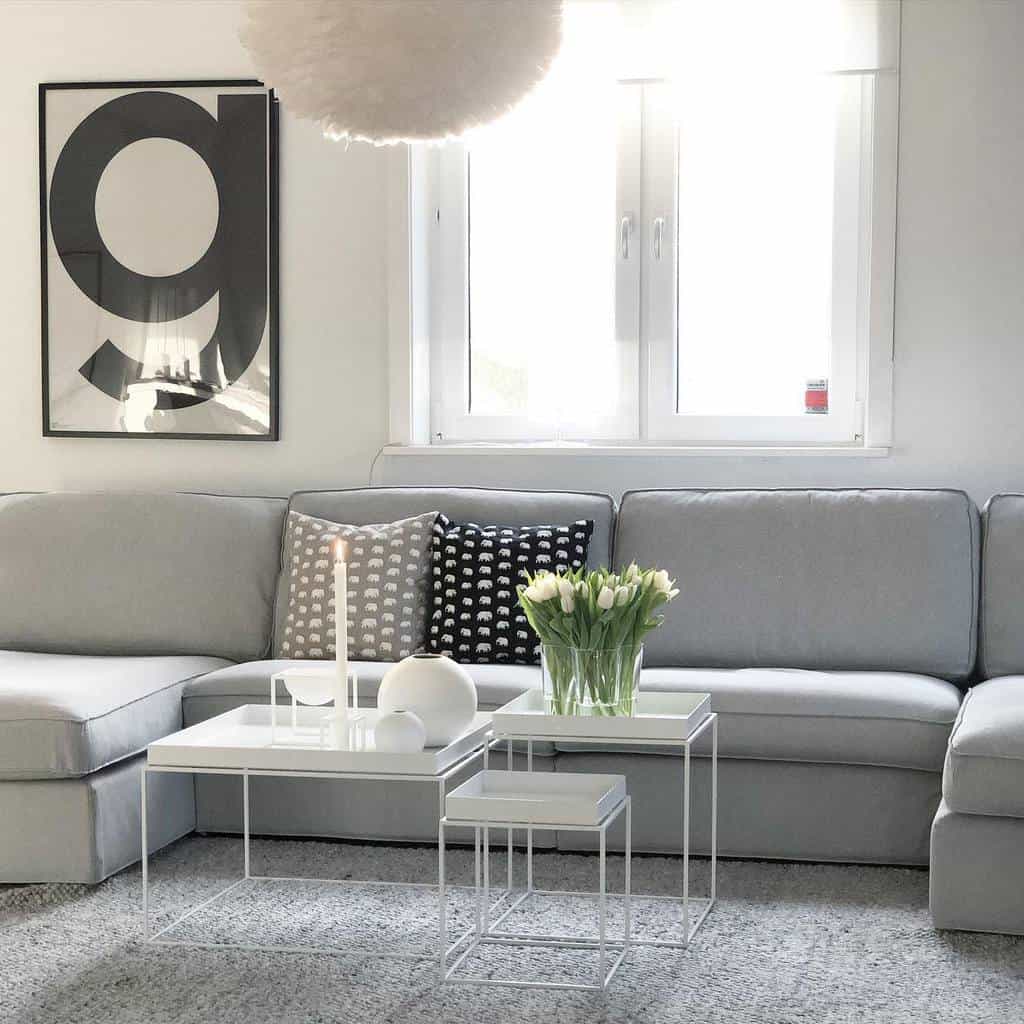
438 691
399 732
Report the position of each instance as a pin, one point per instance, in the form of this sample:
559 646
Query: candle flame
340 550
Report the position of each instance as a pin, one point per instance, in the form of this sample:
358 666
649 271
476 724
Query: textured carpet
786 943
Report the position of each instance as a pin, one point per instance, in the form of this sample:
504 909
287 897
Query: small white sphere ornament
387 71
399 732
436 689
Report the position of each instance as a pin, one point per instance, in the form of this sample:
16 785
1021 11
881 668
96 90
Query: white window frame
446 171
851 333
428 301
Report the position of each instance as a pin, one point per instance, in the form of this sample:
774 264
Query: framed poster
158 218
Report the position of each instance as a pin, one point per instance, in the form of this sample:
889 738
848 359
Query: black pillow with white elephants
475 614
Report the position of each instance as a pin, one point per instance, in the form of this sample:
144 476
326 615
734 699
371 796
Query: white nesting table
674 720
525 800
259 740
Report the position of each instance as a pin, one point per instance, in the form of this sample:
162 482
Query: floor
787 943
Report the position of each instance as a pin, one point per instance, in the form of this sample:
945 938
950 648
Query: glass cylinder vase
602 681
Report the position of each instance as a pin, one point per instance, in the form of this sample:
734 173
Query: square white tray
241 739
659 716
536 798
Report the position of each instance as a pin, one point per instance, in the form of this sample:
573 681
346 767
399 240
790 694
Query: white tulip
564 588
581 589
568 603
533 593
612 581
606 598
548 588
632 573
622 595
661 581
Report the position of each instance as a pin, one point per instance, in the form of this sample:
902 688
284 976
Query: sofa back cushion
483 506
846 579
138 574
1002 586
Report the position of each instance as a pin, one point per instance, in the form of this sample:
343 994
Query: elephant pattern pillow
388 587
476 615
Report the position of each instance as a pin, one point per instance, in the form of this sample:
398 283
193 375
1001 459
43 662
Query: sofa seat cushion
985 763
885 719
66 715
249 683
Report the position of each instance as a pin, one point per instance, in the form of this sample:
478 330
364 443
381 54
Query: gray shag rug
787 942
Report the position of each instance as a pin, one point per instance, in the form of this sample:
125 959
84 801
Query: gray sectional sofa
835 630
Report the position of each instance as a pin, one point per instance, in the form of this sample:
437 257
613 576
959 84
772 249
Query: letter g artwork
159 259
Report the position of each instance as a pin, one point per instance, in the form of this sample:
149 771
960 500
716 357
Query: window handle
658 235
625 235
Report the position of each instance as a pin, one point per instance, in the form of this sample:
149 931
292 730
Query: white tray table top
240 739
536 798
659 716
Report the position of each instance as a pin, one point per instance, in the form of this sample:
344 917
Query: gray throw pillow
388 587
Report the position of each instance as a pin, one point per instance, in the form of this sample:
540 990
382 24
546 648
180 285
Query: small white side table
247 742
525 800
675 720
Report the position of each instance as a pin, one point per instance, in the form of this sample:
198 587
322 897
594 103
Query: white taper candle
341 628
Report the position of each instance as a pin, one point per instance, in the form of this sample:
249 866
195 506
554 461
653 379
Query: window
683 236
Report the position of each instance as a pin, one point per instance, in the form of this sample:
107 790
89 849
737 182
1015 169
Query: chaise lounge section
109 605
977 841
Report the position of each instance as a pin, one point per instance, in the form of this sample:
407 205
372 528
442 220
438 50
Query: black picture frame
272 299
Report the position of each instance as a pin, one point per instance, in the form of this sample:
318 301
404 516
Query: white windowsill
635 450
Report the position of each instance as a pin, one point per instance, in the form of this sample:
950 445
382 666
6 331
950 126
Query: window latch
658 236
625 234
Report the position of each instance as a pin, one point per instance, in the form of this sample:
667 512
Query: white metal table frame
690 922
611 952
160 937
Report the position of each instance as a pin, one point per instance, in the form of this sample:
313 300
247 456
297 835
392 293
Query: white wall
959 330
332 306
959 337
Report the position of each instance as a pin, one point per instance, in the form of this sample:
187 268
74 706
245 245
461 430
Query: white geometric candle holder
315 686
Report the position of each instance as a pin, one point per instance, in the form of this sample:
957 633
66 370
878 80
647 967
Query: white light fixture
387 71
